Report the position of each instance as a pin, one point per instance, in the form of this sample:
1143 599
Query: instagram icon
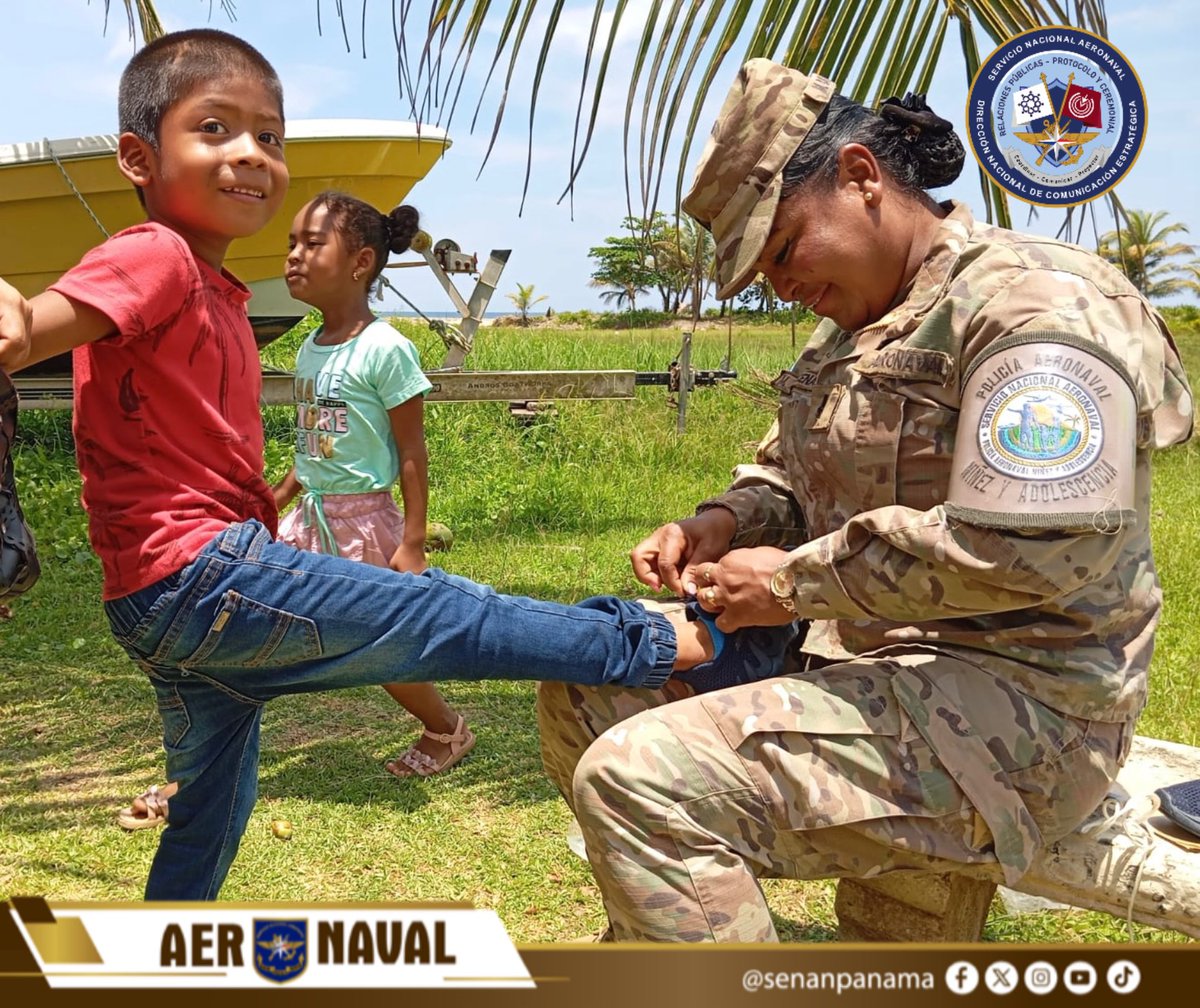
1040 977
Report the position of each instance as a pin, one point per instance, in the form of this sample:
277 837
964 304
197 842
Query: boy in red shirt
169 438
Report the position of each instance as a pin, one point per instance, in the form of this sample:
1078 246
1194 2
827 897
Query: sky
61 68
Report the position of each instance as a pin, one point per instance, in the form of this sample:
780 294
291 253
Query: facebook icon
962 977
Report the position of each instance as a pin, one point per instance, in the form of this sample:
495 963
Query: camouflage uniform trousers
684 801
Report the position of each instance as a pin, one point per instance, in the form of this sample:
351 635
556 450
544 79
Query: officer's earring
868 196
355 274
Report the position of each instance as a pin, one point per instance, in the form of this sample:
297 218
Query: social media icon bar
962 977
1079 977
1001 977
1123 976
1041 977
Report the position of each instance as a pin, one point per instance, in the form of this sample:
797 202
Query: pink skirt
367 527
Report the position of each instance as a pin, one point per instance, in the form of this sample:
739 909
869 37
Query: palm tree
1191 280
523 299
1143 252
871 48
684 252
618 292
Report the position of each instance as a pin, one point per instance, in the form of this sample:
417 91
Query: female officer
955 492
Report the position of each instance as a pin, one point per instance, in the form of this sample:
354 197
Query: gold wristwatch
783 586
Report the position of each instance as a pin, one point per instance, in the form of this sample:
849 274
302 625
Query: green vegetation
675 260
1141 248
871 50
523 299
550 509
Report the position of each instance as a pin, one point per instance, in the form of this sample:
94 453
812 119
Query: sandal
156 811
414 763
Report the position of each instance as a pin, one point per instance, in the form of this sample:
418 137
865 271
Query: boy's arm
56 324
408 428
16 319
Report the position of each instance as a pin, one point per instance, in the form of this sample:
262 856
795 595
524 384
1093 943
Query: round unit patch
1056 116
1047 437
1040 426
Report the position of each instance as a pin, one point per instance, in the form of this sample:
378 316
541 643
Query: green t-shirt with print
344 440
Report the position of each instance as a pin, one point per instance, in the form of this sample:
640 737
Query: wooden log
913 906
1095 871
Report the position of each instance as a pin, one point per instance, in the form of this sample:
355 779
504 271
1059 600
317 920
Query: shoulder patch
1046 439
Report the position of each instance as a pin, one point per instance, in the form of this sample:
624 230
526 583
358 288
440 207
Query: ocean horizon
440 314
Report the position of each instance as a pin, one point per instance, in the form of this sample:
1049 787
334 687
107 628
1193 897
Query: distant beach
488 319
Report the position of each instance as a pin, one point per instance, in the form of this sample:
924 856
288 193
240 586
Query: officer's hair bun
934 147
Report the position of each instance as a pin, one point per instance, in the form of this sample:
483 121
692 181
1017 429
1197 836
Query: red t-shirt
168 432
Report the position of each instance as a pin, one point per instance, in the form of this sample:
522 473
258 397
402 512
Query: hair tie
935 148
911 113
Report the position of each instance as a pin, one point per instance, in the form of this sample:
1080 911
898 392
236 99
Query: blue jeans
250 619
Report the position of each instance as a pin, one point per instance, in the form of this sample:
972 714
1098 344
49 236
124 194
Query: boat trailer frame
524 391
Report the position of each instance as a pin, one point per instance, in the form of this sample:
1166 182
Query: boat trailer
49 385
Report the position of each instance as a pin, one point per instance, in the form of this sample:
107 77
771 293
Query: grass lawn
550 510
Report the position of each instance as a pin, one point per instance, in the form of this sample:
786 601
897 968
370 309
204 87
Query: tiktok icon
1124 977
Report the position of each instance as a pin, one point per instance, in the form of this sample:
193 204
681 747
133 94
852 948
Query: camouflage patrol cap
766 116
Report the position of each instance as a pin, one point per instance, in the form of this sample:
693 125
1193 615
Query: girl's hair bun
399 226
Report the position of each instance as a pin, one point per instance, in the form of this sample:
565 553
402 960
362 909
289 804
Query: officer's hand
739 588
670 555
16 319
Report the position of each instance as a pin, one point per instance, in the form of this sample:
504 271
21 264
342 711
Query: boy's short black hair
168 69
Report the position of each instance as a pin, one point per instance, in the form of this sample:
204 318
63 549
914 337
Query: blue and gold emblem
1040 427
280 949
1056 116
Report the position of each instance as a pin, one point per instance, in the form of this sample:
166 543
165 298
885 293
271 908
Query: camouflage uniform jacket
855 474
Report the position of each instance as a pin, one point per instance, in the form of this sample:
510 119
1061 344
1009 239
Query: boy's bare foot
149 808
433 752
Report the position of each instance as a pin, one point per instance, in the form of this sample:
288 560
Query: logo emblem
1040 427
1124 976
1080 977
280 949
962 977
1041 977
1056 116
1001 977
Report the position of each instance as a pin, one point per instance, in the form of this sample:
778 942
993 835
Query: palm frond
683 49
873 48
143 19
